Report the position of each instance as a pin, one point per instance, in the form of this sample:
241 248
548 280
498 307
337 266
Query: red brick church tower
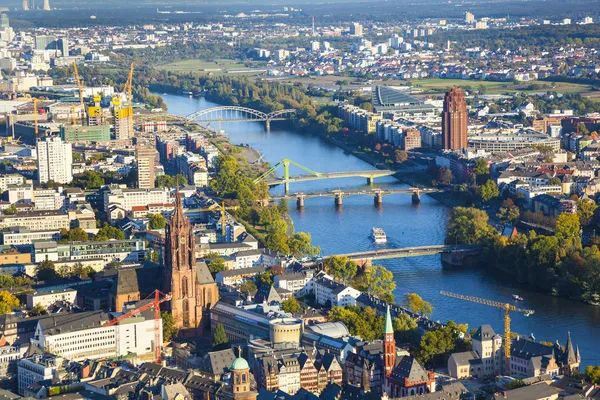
389 345
192 286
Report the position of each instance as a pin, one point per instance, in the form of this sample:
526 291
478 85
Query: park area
220 66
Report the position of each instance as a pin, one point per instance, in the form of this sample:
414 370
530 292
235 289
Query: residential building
37 368
145 157
327 292
130 251
294 282
36 220
455 119
539 391
46 298
55 160
126 199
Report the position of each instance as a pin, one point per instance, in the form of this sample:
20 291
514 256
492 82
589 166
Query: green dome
239 363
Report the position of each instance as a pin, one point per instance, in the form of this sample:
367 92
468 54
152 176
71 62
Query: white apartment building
36 220
36 368
128 198
55 161
21 236
47 298
11 179
81 336
293 282
327 291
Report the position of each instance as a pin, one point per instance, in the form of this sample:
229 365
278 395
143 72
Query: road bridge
272 179
338 195
239 114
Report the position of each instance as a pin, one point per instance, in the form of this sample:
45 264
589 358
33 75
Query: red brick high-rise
455 119
193 289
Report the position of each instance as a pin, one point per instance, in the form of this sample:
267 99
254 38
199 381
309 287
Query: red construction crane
156 305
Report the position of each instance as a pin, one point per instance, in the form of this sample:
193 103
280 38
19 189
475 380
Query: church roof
408 367
389 328
126 282
204 275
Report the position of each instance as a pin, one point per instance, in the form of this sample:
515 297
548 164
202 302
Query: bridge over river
338 195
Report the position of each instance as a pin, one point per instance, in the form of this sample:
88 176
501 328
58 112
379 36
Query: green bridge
272 179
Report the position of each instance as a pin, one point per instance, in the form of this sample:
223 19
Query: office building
145 156
455 119
55 161
356 29
63 46
469 18
81 133
45 42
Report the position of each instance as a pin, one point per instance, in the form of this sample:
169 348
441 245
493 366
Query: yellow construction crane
507 310
35 117
128 90
80 87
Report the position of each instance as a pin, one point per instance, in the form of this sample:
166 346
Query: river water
347 229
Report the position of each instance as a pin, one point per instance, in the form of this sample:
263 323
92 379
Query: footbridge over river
451 254
272 179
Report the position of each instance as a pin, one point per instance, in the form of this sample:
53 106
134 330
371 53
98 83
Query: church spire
389 328
570 351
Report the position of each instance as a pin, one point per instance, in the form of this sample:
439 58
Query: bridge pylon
268 125
300 200
338 199
378 199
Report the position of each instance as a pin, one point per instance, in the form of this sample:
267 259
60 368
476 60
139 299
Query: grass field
216 67
439 85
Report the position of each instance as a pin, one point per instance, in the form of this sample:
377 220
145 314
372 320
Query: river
347 229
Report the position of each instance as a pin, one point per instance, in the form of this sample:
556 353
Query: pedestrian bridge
272 179
416 251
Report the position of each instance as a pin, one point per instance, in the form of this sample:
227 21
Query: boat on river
378 235
517 297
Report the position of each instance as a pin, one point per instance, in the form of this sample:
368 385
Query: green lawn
217 66
439 85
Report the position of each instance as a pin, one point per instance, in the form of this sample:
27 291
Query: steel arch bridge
239 114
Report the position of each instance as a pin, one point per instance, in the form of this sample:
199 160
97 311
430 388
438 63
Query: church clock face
181 240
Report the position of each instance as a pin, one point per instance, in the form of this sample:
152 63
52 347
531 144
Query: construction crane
35 117
507 310
80 86
128 90
154 304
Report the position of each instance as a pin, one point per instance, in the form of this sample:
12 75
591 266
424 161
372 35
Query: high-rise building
356 29
469 18
455 119
55 161
121 123
63 46
46 42
46 5
4 21
25 5
192 286
145 156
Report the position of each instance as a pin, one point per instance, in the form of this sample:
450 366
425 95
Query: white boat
378 235
517 297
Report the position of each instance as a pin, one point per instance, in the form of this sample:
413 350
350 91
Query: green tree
406 329
378 281
509 215
468 225
108 232
219 336
481 167
555 181
46 271
341 268
248 287
156 221
299 245
436 346
169 328
38 309
488 191
444 176
585 211
169 181
11 210
568 230
291 305
73 235
592 374
7 302
217 265
363 322
416 304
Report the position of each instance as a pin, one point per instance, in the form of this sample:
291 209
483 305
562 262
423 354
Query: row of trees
107 232
558 264
234 183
